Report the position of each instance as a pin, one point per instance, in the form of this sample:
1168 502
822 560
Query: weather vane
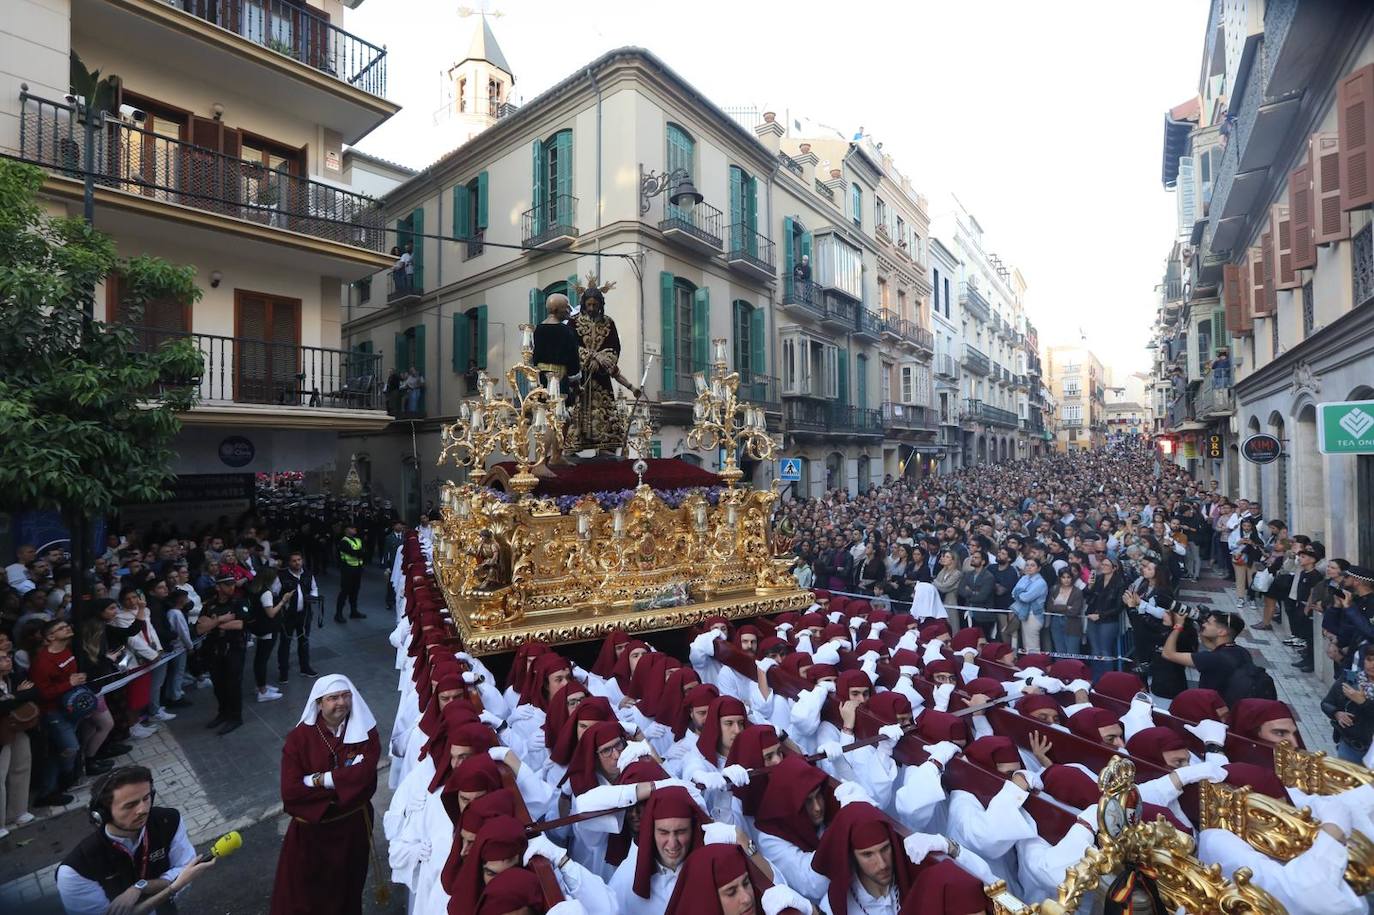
482 9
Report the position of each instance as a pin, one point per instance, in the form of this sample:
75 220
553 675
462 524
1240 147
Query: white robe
661 884
992 832
1313 883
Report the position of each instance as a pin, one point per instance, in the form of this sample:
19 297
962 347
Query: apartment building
1077 381
578 182
1277 172
224 149
993 387
947 327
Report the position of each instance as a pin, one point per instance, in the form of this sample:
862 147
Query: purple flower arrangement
611 499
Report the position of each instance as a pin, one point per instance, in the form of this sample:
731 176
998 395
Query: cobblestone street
226 783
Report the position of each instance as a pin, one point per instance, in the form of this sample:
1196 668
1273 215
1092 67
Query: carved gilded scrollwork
1317 773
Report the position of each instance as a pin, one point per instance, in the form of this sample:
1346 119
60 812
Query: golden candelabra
721 420
526 424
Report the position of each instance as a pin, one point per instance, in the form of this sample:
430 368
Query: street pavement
231 782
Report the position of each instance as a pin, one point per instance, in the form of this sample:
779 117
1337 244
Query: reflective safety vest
353 555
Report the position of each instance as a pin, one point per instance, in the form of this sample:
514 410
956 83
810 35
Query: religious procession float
546 545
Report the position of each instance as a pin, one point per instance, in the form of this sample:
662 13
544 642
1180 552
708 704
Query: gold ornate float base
564 625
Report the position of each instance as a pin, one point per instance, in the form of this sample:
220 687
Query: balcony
829 418
976 361
696 227
1071 424
792 165
552 223
803 296
755 387
973 302
1362 265
868 325
287 54
908 418
750 252
309 385
923 339
1035 424
837 311
142 172
978 411
1214 397
1180 411
892 325
946 367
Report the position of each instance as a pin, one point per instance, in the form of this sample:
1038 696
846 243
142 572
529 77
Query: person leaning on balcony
414 386
399 277
1221 369
802 272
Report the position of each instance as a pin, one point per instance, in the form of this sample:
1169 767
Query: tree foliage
86 414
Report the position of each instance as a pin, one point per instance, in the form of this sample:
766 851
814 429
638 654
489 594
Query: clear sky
1046 119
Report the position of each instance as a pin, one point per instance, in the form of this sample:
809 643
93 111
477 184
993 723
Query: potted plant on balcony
281 47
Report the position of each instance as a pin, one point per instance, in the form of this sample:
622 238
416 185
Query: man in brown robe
328 777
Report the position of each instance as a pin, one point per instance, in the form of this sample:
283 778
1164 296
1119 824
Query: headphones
102 792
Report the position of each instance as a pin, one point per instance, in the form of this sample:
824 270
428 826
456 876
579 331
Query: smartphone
1351 677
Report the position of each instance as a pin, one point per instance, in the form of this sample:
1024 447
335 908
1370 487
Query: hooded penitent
858 825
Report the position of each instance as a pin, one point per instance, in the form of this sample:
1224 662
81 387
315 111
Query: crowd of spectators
91 663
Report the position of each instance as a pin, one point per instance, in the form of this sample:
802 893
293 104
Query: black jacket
1104 598
1360 734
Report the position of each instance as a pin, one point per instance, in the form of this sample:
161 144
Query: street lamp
652 184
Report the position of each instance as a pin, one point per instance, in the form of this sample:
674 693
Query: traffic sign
790 470
1346 427
1261 448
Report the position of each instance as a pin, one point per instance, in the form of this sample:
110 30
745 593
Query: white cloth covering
1313 883
360 719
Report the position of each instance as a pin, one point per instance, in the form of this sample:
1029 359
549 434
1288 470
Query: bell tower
479 88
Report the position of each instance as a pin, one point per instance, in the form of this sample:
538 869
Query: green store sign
1346 427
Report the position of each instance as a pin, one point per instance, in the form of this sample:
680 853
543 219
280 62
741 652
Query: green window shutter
481 336
737 179
461 208
481 201
536 306
758 341
563 158
789 253
400 354
460 343
751 202
537 199
420 350
736 321
842 364
701 330
668 313
1219 333
417 225
861 379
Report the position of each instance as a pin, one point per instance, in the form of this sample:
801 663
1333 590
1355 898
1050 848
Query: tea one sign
1346 427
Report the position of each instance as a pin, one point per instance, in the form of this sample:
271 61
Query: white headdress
360 720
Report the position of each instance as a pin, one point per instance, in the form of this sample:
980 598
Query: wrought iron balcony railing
868 323
755 387
1214 397
831 418
910 417
300 33
554 218
701 221
803 294
1362 265
976 361
979 411
247 371
750 246
792 165
923 338
972 300
149 165
945 366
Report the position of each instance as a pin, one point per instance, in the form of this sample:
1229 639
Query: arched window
682 154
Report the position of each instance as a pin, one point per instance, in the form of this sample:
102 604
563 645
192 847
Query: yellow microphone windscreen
226 844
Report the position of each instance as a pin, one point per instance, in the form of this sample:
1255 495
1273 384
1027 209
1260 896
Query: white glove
568 907
783 629
657 731
1028 673
736 775
579 674
826 654
827 685
540 846
942 695
920 844
1048 684
851 792
1201 772
831 749
892 732
674 783
635 750
876 628
463 656
934 651
629 727
1331 809
711 781
870 667
835 616
1208 731
766 664
704 643
1032 778
778 899
906 670
856 621
424 850
606 797
719 834
490 720
499 753
1079 684
943 751
469 677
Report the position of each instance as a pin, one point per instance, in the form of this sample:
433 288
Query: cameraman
136 852
1223 666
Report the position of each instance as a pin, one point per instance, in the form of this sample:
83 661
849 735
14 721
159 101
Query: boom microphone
224 846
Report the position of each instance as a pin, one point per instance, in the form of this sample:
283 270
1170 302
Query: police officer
137 851
350 573
222 623
296 579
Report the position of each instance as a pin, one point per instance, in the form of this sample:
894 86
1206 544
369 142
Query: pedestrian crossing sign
790 471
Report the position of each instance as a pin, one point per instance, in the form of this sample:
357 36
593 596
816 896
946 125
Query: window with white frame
839 265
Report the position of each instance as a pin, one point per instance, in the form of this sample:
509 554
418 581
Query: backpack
1248 680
